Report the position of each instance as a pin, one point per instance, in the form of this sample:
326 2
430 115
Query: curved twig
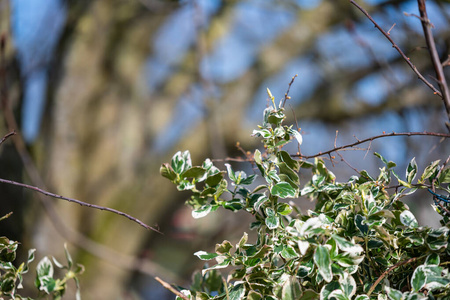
118 212
358 142
394 45
372 288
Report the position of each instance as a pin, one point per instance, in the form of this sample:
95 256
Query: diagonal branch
394 45
435 58
30 187
352 145
358 142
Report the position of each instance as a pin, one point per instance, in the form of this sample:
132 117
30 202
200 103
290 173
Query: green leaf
389 164
288 160
202 211
285 169
361 225
194 172
263 132
323 262
348 285
284 209
411 170
44 268
276 117
288 252
223 248
310 295
205 255
362 297
296 135
231 173
249 180
167 171
215 179
445 176
347 246
393 294
328 289
291 289
242 241
432 259
419 278
408 219
272 222
283 190
222 265
429 170
237 292
68 257
181 162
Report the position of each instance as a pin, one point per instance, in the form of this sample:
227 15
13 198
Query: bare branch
372 288
426 25
171 288
286 95
30 187
358 142
347 146
7 136
410 64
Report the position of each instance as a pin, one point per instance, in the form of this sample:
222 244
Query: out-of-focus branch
118 212
426 25
171 288
410 64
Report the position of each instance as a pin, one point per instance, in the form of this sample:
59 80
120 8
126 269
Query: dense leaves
11 277
361 241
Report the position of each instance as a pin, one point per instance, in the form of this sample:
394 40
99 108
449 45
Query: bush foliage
360 242
11 276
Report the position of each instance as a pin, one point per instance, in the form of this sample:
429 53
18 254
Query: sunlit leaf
419 278
205 255
408 219
291 289
283 190
323 262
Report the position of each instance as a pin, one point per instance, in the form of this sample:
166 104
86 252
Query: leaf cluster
11 276
360 242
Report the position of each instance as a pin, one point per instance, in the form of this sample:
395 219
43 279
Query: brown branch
7 136
394 45
372 288
171 288
426 25
30 187
286 95
358 142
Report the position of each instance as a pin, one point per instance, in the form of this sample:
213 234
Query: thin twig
171 288
345 147
443 135
372 288
7 136
286 95
30 187
418 17
410 64
426 25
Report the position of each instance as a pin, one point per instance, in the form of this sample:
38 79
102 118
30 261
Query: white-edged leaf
323 262
408 219
203 255
202 211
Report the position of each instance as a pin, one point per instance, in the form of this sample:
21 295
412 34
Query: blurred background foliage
104 91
